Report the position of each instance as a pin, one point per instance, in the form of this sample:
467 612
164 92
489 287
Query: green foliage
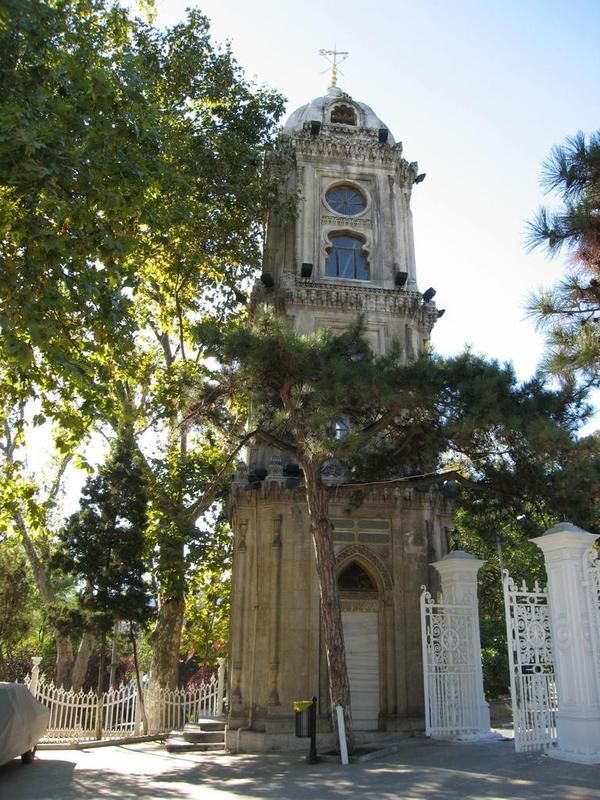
485 530
130 164
132 198
103 544
514 444
569 312
206 632
18 614
573 171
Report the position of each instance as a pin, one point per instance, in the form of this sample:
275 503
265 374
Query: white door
361 637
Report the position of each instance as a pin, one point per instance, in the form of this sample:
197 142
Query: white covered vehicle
23 722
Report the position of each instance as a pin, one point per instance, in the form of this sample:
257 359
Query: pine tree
570 311
103 546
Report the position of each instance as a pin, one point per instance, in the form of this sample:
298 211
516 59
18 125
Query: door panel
361 637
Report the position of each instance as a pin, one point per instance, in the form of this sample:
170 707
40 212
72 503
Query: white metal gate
449 670
532 681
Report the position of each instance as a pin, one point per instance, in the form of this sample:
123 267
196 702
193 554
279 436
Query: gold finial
333 56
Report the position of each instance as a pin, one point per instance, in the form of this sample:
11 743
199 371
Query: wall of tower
277 653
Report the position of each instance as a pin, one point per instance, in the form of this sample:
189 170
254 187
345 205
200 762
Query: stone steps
205 735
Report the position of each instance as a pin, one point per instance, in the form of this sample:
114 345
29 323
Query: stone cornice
351 297
339 142
406 498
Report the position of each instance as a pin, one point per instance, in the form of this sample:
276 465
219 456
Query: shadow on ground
420 769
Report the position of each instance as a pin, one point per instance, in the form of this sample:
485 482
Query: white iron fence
82 716
450 674
170 710
532 681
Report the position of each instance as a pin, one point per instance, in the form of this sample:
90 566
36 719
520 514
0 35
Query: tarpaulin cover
23 721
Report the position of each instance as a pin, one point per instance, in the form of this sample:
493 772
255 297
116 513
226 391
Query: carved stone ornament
332 472
242 530
347 222
364 553
369 298
340 142
275 469
343 114
241 473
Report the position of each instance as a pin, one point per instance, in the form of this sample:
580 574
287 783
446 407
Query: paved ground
419 770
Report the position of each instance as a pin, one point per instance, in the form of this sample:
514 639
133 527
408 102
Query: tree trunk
64 660
138 679
166 638
339 686
64 647
86 647
114 658
166 643
100 688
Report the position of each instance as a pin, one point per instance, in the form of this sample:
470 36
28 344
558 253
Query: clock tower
348 250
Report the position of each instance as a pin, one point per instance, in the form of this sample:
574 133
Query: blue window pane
345 263
346 258
347 242
362 270
331 266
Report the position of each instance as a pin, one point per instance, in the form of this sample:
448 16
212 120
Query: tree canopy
132 202
131 165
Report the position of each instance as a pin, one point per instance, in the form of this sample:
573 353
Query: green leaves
131 186
103 545
132 194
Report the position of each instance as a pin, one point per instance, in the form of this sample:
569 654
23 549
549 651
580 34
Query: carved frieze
346 222
336 142
370 299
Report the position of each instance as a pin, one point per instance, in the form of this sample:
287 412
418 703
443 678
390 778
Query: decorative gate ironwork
591 571
532 680
448 668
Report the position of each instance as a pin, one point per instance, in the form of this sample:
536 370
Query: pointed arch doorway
360 620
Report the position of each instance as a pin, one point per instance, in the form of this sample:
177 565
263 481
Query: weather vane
335 58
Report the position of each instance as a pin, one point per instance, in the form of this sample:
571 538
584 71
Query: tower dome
336 107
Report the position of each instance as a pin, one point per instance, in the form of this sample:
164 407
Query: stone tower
348 250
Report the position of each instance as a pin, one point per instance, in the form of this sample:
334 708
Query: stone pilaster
577 679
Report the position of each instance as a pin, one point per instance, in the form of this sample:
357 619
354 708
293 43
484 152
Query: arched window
354 579
346 257
343 114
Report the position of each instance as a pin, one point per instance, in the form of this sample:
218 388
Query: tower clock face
346 200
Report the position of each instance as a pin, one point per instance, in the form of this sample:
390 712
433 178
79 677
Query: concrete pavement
419 770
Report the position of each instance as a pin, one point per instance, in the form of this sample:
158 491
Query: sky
478 91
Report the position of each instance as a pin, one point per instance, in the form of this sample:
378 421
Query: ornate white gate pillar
578 715
458 571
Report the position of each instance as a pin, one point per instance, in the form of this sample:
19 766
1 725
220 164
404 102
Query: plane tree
132 197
